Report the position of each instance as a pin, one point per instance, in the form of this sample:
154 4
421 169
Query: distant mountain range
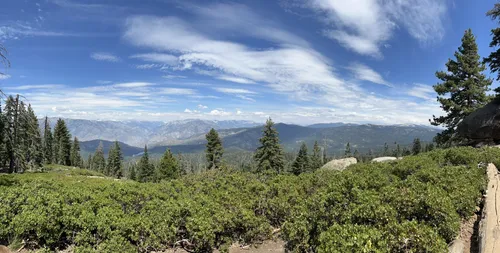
139 133
334 136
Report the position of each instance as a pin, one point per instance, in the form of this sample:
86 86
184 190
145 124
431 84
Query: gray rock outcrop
384 159
483 125
339 164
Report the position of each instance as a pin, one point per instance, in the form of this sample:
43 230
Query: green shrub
411 205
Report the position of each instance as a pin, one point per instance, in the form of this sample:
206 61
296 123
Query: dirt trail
490 225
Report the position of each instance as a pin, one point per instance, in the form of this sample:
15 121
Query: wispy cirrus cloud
157 58
133 85
36 87
422 91
364 26
4 76
104 56
235 79
290 69
365 73
176 91
234 90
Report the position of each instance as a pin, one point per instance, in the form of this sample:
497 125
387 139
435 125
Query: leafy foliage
410 205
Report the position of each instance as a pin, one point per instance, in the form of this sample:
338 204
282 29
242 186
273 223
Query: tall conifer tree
98 161
75 157
145 170
417 146
214 150
316 158
462 90
34 154
168 167
301 163
62 143
47 142
269 155
347 152
493 59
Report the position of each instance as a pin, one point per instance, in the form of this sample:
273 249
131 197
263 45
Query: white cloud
246 98
18 29
422 91
103 82
4 76
200 106
173 76
36 87
157 58
176 91
234 91
299 72
235 79
103 56
148 66
364 26
133 85
365 73
219 113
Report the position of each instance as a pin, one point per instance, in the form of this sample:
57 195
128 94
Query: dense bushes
412 205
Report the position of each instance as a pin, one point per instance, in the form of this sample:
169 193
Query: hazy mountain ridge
139 133
361 137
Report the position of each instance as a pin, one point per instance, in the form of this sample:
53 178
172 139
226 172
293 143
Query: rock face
384 159
339 164
483 125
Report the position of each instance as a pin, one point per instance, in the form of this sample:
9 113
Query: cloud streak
104 56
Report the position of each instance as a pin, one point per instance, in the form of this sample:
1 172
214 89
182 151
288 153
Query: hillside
361 137
418 202
139 133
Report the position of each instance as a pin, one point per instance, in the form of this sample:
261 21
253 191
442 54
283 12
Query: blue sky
296 61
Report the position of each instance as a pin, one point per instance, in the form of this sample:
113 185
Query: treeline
20 140
24 148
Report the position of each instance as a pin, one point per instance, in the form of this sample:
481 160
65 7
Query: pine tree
397 151
406 152
115 158
214 150
347 152
493 59
301 163
88 165
132 174
417 146
386 149
47 142
3 147
430 147
145 170
34 154
316 158
62 143
98 161
462 91
269 156
168 167
75 154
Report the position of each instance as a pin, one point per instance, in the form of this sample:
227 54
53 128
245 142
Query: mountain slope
361 137
139 133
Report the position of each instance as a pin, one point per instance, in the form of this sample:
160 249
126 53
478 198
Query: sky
296 61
